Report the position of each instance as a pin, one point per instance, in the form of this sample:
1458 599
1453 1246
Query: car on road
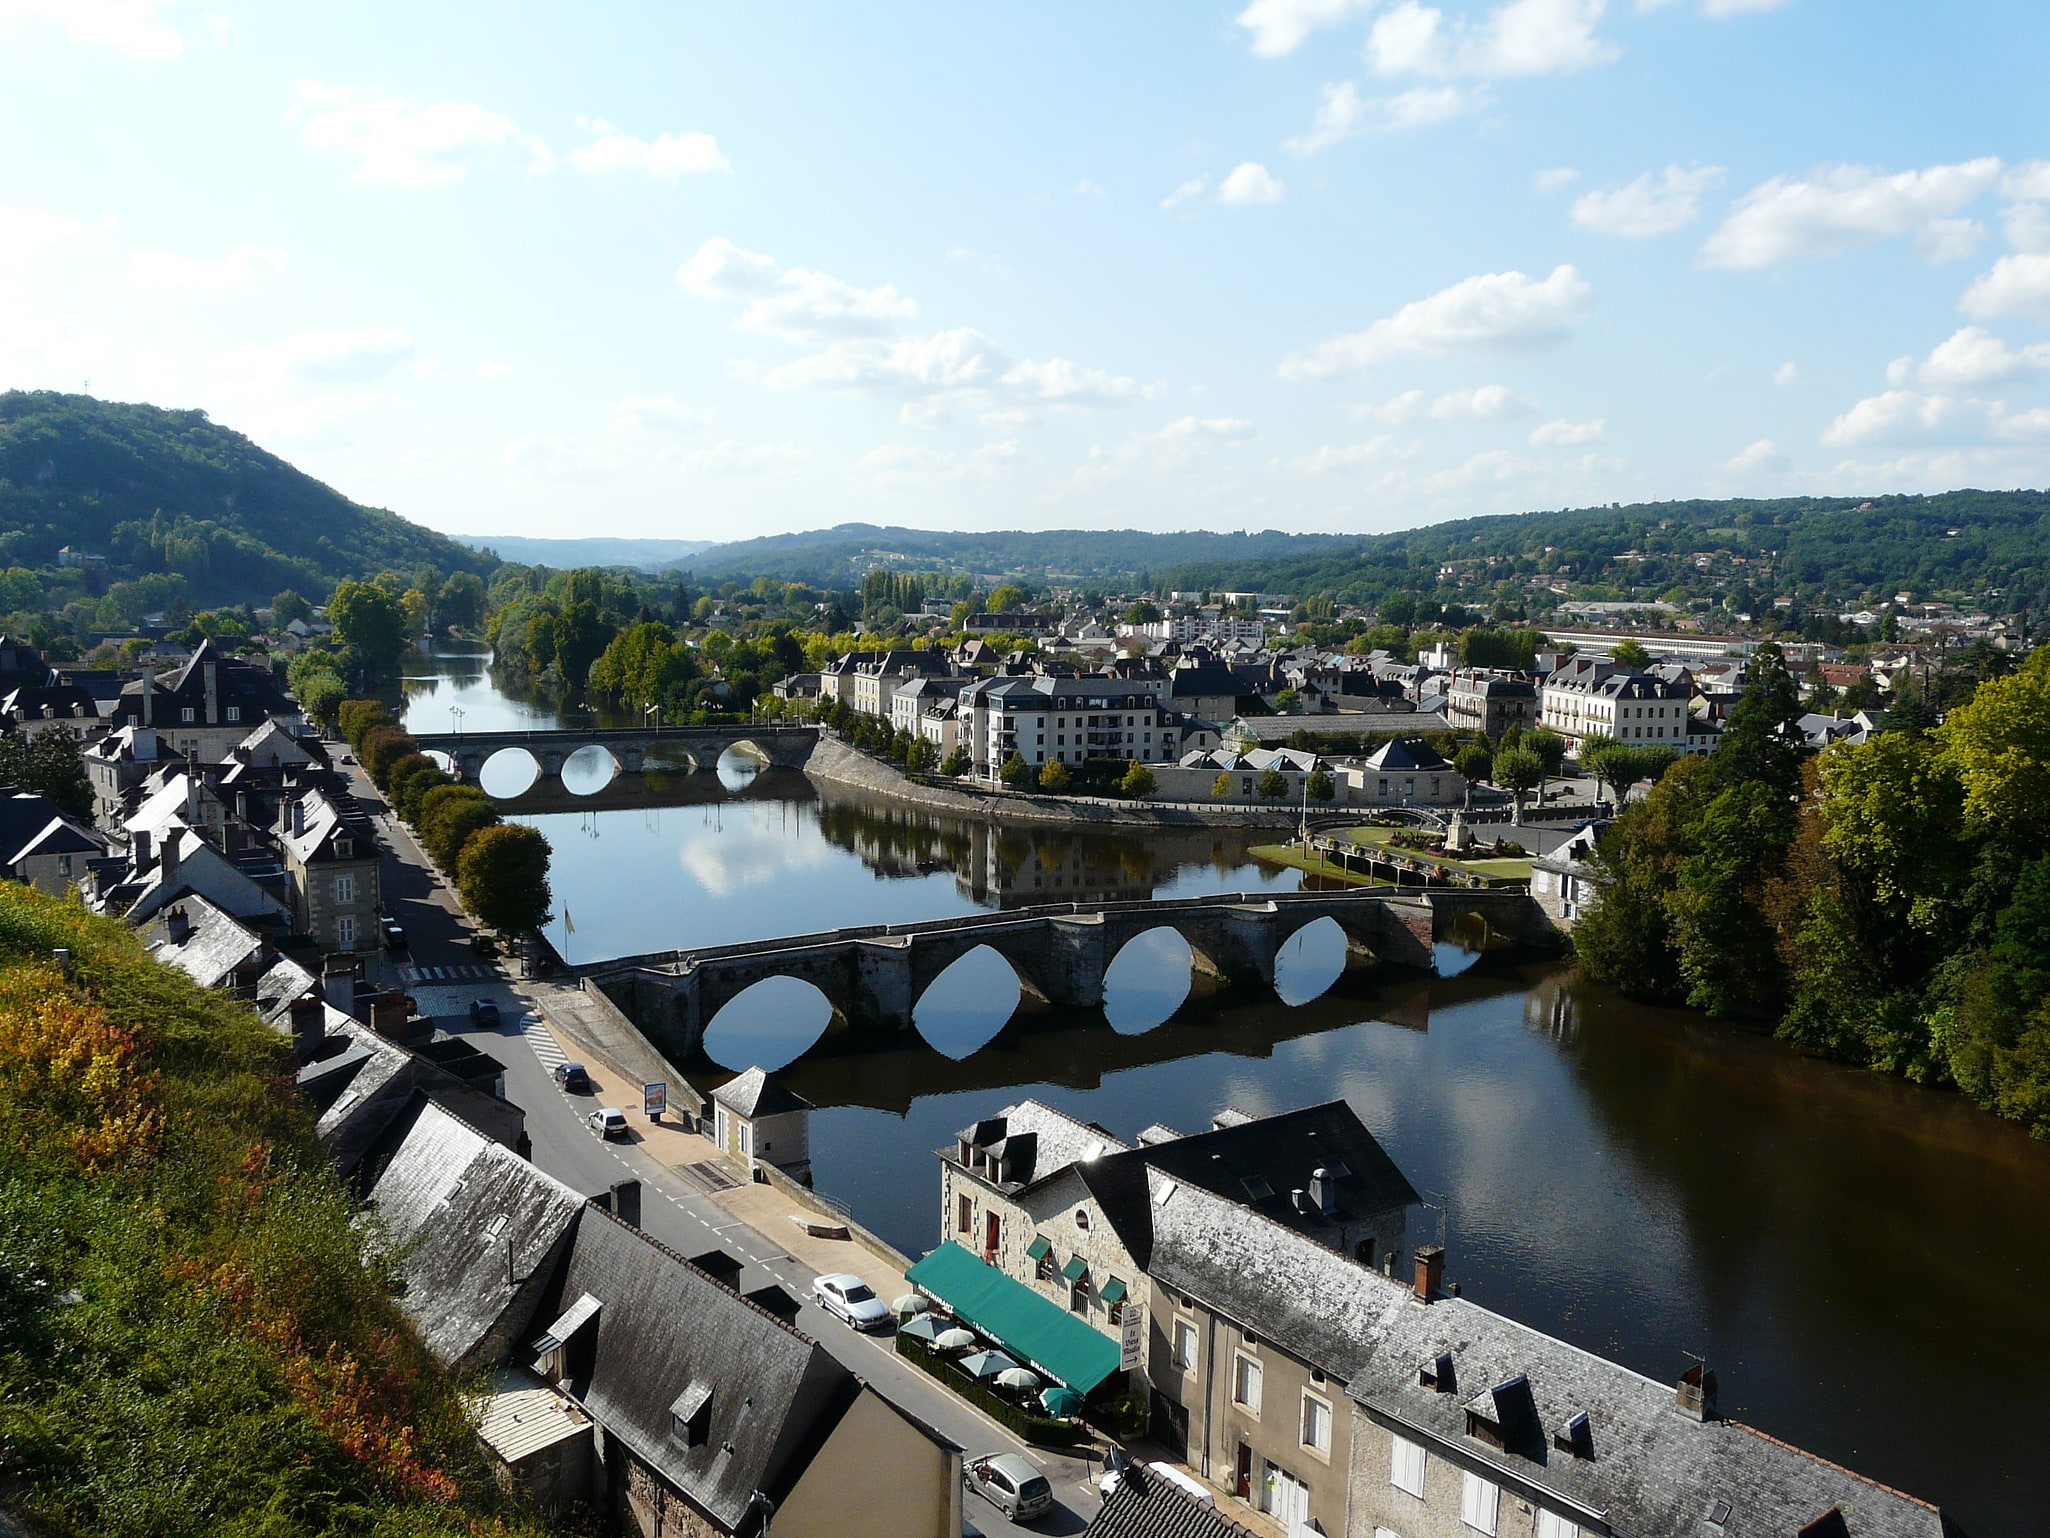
483 944
1010 1483
850 1299
572 1077
607 1122
484 1014
394 934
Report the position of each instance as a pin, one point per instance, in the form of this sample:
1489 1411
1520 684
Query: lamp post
455 713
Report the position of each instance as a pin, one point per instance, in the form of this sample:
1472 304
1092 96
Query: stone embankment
834 763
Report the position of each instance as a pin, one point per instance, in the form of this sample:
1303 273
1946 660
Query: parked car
1010 1483
484 1014
394 934
850 1299
607 1122
483 944
572 1077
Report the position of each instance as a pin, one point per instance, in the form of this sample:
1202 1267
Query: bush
1054 776
1016 773
1138 780
954 765
1041 1430
503 877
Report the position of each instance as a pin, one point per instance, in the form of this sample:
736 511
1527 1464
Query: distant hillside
170 491
1969 546
567 554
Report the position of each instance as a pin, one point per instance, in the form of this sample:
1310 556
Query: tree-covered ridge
157 491
197 1332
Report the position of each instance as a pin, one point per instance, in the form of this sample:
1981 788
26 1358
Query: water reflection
1309 961
964 1008
1147 982
588 770
771 1024
509 773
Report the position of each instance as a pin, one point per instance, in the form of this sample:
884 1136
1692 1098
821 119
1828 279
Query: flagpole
568 928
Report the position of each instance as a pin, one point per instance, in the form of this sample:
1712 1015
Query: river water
1863 1262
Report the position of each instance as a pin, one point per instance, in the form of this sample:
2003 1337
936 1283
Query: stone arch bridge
873 976
781 746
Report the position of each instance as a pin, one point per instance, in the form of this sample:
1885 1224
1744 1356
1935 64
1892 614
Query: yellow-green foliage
228 1366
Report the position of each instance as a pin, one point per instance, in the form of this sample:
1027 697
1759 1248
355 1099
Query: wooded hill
171 491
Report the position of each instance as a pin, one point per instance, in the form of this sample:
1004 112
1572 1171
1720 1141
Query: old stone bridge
874 976
630 748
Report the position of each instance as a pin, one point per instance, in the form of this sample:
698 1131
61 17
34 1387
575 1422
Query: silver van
1009 1483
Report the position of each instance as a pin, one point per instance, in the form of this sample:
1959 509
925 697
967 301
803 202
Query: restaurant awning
1075 1269
1048 1337
1037 1249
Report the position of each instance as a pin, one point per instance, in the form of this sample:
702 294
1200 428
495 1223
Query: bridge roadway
873 976
781 746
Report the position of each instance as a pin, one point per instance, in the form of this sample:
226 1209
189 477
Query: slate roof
215 943
1653 1469
1143 1507
476 1229
1037 1142
664 1326
1406 754
758 1093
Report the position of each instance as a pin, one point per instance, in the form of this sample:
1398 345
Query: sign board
1132 1332
654 1100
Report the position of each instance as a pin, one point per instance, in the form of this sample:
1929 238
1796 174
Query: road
673 1207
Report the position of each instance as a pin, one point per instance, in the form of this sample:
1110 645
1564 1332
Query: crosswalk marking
545 1046
410 973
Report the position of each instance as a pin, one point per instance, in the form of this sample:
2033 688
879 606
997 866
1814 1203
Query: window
1406 1467
345 932
1082 1219
747 1140
345 889
345 849
1551 1525
1316 1424
234 712
188 715
1185 1345
964 1211
1479 1503
1245 1383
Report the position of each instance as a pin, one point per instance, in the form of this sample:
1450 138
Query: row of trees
501 868
1887 903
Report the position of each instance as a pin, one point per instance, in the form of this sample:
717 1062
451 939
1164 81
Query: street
675 1208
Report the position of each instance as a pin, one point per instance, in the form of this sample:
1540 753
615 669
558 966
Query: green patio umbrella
921 1327
954 1340
986 1364
1062 1401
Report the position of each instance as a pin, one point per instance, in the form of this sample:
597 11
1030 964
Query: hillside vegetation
170 492
190 1340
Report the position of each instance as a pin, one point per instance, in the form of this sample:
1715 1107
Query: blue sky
697 272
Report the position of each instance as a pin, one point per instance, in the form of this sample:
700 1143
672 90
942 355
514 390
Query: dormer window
690 1417
1082 1219
345 849
234 712
188 715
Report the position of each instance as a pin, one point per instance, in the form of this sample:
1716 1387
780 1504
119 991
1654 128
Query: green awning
1037 1249
1075 1269
1113 1291
1040 1333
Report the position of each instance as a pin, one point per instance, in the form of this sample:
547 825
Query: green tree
459 602
287 607
1518 770
1221 786
449 816
409 779
1612 763
1320 786
1142 613
1476 761
1016 773
1999 744
502 876
1137 781
372 623
1054 776
382 747
321 695
1006 598
1550 748
48 764
1271 786
1630 654
1762 742
920 758
955 764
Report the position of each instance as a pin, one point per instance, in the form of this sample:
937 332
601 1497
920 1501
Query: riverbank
832 762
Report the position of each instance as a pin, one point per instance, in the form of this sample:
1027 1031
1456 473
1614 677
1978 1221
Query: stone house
41 847
1404 771
333 862
1588 697
1487 701
1563 881
208 705
756 1119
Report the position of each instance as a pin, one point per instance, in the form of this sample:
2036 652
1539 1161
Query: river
1864 1262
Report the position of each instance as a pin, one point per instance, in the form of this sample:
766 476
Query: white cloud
896 462
1523 37
960 359
2017 285
1975 356
398 143
1086 188
1492 311
1337 459
1482 403
1950 240
1841 208
1345 114
1721 10
1192 188
1555 178
660 414
923 414
1563 434
1214 429
2027 182
1906 416
26 233
1058 382
2026 226
732 457
1280 26
1788 373
1248 184
1654 204
668 156
166 271
1762 454
131 27
796 303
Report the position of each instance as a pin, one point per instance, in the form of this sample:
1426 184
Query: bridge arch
508 773
969 1003
769 1024
590 769
1310 960
1148 980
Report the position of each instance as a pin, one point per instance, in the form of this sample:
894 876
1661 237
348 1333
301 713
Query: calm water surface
1864 1262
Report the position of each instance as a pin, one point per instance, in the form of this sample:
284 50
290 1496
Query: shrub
1016 773
1042 1430
1054 776
1138 780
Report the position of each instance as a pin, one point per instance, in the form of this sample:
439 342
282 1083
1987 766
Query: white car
849 1298
607 1122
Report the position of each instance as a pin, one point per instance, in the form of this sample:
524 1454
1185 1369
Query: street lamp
456 715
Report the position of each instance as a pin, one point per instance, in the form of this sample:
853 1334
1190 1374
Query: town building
332 857
209 705
1063 720
1489 702
757 1119
1587 698
1403 771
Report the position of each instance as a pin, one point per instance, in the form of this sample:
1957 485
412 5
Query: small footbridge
874 976
630 748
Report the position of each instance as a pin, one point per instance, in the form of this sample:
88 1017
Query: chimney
390 1015
309 1025
141 846
178 925
169 859
338 982
626 1201
1430 1271
298 818
212 672
1324 1192
149 696
1695 1396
